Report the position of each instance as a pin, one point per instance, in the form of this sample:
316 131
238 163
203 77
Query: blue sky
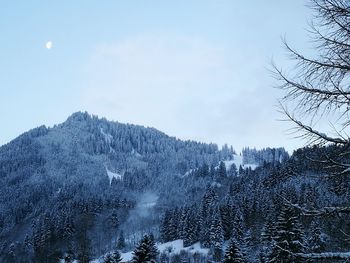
193 69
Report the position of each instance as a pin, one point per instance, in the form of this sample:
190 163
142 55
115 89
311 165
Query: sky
194 69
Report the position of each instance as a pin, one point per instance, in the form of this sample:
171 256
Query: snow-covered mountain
81 183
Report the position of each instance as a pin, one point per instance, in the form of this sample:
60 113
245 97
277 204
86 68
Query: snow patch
126 257
112 175
189 172
135 153
216 184
176 246
170 248
74 261
251 166
238 161
107 136
147 200
229 163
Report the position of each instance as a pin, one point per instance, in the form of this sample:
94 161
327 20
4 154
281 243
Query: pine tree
226 212
209 201
267 234
190 229
216 236
11 253
165 226
247 245
222 170
240 170
204 222
121 241
232 171
174 224
288 239
204 171
68 258
83 240
146 251
212 171
233 253
68 228
114 220
238 227
113 257
315 241
207 209
183 220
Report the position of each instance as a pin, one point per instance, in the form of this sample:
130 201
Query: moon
49 44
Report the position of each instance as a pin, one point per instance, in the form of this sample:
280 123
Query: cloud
184 86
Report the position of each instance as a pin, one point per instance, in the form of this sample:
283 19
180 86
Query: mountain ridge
51 179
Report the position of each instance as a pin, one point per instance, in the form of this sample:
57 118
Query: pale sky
192 69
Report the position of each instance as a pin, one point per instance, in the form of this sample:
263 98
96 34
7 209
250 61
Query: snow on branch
325 211
324 255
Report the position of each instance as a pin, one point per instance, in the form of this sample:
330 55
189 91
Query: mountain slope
50 178
77 186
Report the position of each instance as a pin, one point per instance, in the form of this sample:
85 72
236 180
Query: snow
326 255
171 248
238 161
135 153
147 200
216 184
108 139
74 261
127 256
112 175
251 166
107 136
228 164
189 172
148 204
176 246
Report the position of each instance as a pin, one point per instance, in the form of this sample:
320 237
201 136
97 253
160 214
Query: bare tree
320 86
317 96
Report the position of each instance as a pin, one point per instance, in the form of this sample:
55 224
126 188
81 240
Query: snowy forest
99 191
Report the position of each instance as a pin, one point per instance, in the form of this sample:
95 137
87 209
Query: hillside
89 165
89 175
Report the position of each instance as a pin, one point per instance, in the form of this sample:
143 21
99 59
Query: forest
99 191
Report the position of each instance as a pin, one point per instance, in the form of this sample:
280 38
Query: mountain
77 185
47 172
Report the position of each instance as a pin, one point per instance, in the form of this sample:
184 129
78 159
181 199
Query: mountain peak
80 116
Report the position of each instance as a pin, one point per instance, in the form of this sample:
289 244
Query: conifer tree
146 251
164 226
216 236
113 257
268 232
190 229
121 241
288 239
222 170
238 228
233 253
316 243
183 221
232 171
226 212
114 220
267 235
